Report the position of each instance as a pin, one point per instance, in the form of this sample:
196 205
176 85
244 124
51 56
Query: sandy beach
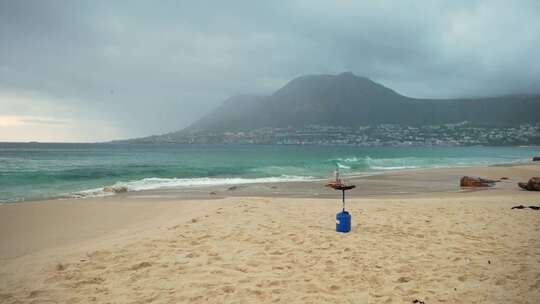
416 236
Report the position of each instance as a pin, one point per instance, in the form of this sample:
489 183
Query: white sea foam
411 162
153 183
156 183
394 168
341 166
96 192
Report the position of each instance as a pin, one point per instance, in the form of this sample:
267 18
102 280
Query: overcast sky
101 70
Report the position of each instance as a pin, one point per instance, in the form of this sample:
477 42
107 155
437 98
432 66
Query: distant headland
349 109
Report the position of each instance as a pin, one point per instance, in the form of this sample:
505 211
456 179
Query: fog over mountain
349 100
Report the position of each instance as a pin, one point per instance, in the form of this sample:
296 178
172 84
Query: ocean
31 171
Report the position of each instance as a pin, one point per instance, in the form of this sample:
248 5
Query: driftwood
469 181
532 185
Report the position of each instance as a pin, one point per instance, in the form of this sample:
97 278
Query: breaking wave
153 183
49 171
377 164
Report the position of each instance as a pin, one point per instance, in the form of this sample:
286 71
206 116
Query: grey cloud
151 67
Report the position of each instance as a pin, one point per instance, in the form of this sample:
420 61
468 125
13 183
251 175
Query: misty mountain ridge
352 101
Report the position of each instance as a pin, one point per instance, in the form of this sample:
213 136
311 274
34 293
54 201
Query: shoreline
197 192
441 179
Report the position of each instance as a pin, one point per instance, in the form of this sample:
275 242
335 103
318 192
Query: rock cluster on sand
536 158
532 185
116 189
469 181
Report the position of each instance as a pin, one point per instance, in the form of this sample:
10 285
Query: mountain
350 101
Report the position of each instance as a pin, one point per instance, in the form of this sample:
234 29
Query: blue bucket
343 222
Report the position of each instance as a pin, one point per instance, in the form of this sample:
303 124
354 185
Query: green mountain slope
349 100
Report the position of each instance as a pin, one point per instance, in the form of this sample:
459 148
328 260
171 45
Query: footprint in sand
89 281
334 288
404 280
253 263
99 255
500 282
37 293
241 269
228 289
140 265
61 266
5 296
192 255
274 283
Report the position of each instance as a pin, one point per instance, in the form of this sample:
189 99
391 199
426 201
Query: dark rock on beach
469 181
536 158
532 185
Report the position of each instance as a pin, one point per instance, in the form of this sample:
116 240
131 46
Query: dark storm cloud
144 67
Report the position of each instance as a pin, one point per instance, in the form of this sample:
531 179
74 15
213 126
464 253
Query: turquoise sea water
36 171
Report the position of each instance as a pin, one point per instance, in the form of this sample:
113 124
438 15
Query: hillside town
460 134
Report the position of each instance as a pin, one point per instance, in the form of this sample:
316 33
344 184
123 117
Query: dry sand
433 245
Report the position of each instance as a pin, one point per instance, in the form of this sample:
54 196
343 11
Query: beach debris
212 193
532 185
536 158
416 301
471 181
116 189
232 188
525 207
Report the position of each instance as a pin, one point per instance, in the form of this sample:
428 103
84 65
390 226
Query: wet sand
416 236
